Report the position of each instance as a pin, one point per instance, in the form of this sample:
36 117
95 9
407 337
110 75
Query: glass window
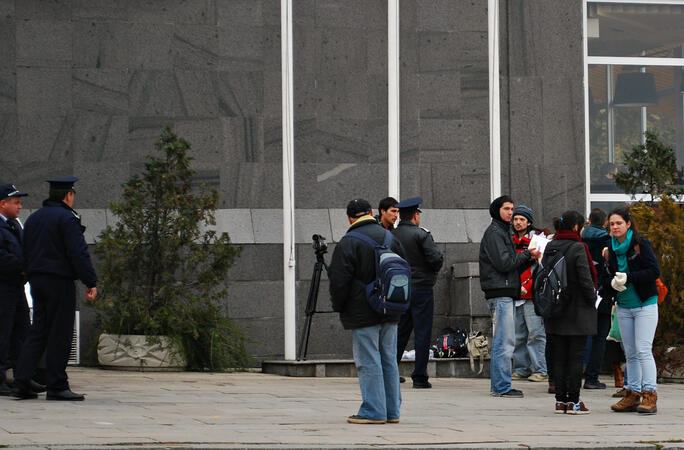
625 29
624 101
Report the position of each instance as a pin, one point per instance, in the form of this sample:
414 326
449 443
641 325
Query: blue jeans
419 320
637 327
503 343
530 341
375 356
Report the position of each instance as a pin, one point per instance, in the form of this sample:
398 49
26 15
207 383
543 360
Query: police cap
410 203
8 190
62 183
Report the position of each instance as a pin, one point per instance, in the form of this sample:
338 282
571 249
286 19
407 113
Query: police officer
425 260
14 312
56 254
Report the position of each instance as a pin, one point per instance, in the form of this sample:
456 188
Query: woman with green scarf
634 270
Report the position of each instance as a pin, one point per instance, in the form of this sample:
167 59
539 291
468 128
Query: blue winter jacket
11 254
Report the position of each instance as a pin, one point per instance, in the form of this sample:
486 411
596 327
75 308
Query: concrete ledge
437 368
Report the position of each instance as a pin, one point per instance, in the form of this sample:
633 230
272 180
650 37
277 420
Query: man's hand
535 253
91 293
523 291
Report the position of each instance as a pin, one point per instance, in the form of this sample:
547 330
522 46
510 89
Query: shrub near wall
663 225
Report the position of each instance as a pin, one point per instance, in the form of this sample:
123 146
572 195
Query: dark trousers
418 319
598 348
54 306
568 353
14 325
548 351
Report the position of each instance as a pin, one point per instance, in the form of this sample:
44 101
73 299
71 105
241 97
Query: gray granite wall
86 86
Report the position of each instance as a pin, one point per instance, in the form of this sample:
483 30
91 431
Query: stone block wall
86 87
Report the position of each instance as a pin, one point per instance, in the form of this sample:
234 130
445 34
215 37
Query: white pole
393 105
288 180
494 108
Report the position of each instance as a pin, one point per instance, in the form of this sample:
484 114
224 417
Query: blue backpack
390 292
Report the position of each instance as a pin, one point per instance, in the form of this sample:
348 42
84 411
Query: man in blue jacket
14 312
56 254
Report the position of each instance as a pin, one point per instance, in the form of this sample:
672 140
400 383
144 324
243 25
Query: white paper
538 241
598 300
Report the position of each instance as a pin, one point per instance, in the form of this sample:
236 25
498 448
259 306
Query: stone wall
86 86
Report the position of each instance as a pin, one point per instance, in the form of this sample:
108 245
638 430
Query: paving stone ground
246 410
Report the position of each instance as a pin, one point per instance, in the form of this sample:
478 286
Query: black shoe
37 387
513 393
21 391
422 385
402 380
594 385
65 395
5 390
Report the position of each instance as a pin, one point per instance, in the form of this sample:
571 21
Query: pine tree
651 168
163 270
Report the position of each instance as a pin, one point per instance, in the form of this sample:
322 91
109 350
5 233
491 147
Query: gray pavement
246 410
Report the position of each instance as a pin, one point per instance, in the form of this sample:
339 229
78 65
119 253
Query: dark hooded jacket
351 268
500 264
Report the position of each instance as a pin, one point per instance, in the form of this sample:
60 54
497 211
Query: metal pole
288 181
494 108
393 104
610 124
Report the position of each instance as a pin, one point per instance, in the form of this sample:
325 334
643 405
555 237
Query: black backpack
451 344
550 282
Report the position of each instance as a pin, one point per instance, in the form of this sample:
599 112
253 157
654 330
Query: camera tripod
321 249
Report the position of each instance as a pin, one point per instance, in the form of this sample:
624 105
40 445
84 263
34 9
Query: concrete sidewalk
210 410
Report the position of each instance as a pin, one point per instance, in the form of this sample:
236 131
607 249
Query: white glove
618 281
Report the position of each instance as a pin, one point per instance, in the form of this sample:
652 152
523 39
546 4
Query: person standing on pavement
425 260
56 254
633 271
14 311
374 335
500 280
596 237
569 331
387 213
529 360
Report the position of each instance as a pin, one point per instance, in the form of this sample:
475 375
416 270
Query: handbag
478 346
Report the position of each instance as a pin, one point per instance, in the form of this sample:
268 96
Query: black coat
421 253
54 244
579 315
500 264
11 253
643 268
351 268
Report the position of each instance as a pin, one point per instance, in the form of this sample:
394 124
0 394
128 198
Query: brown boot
648 406
628 403
618 375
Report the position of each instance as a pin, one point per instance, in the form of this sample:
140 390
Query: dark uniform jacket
500 264
643 268
351 268
11 254
597 238
54 244
579 315
421 253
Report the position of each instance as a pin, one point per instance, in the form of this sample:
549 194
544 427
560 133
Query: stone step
437 368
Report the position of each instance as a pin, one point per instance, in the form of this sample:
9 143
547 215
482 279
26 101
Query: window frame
613 60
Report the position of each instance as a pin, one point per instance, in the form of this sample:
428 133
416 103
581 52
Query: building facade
86 87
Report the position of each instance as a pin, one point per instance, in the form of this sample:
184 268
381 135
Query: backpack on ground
478 347
550 282
451 344
390 291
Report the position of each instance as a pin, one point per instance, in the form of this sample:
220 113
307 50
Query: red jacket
521 245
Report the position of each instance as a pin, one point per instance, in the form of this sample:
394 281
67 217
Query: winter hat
524 211
496 206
